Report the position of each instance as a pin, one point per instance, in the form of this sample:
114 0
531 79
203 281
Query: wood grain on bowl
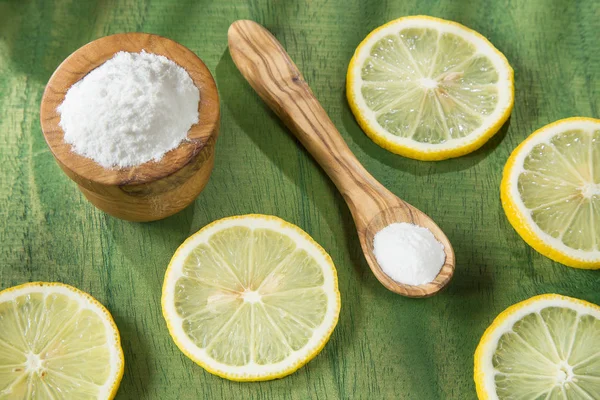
153 190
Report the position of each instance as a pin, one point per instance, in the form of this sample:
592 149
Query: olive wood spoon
270 71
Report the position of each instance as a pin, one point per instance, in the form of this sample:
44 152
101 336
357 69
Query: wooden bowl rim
94 54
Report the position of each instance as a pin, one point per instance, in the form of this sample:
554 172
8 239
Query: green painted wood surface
385 346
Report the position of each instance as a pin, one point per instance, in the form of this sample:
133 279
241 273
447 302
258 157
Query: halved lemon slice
57 342
429 89
547 347
551 191
251 298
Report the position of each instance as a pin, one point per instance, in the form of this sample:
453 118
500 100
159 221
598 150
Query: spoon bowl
271 72
406 213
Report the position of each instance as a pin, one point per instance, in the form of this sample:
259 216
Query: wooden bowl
153 190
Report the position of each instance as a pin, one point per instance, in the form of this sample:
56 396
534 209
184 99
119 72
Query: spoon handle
264 63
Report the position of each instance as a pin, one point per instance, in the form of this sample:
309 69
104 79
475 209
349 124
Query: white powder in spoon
130 110
408 253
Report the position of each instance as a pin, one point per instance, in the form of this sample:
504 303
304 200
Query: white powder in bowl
130 110
408 253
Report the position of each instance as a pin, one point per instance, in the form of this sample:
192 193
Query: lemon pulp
560 186
429 86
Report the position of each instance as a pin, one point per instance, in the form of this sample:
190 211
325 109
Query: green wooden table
385 346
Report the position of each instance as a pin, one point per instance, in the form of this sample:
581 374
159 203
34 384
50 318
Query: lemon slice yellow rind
406 146
484 371
86 302
519 216
252 371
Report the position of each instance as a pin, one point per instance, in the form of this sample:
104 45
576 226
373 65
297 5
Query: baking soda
408 253
130 110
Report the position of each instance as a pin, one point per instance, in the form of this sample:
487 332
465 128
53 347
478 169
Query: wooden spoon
271 72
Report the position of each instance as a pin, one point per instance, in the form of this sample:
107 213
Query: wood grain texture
153 190
385 346
271 72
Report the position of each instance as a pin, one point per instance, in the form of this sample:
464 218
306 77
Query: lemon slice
429 89
551 191
57 342
546 347
251 298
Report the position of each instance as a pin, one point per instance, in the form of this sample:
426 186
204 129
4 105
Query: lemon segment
546 347
551 191
428 88
251 298
57 342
